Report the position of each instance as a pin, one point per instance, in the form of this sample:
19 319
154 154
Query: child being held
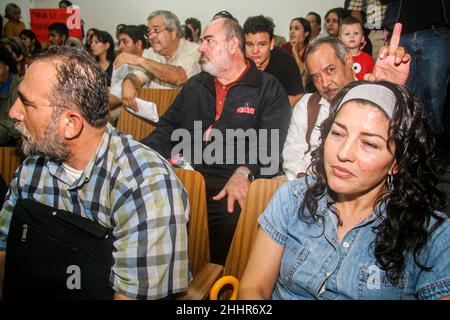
351 33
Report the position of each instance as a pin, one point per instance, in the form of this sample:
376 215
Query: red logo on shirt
246 109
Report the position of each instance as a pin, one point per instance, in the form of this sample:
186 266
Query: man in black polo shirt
231 104
260 47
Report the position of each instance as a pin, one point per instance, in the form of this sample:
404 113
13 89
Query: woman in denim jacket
366 226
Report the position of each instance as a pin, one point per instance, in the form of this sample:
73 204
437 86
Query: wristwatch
246 173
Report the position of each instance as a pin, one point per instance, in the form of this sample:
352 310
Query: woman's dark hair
32 36
7 58
340 12
105 37
187 33
306 27
411 202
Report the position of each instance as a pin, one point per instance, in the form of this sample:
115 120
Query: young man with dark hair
57 33
260 47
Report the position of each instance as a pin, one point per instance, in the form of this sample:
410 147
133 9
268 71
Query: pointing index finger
395 39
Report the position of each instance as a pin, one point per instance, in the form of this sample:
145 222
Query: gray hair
232 28
81 84
170 20
338 46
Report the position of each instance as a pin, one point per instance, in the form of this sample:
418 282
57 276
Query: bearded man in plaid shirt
79 163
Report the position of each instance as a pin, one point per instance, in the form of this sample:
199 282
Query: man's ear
234 45
73 124
272 43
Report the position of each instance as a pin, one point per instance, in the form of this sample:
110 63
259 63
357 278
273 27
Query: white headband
374 93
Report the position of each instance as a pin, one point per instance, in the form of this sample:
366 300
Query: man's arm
130 87
151 232
165 72
393 62
296 145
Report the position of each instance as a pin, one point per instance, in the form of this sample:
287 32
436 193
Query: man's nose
15 111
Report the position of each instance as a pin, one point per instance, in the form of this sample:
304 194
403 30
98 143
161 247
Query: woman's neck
353 209
103 61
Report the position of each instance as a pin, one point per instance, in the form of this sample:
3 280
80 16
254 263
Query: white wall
106 14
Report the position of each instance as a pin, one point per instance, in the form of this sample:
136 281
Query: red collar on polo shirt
222 90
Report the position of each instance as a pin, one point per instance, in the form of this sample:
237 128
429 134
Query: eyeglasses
155 31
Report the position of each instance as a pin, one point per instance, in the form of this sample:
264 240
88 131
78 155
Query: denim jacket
315 265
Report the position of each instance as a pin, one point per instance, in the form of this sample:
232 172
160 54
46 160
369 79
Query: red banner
42 18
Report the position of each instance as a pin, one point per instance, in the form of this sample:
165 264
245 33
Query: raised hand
393 62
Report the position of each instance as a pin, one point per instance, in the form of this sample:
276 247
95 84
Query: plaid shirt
374 10
126 187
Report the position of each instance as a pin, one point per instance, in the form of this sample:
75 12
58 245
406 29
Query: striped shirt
130 189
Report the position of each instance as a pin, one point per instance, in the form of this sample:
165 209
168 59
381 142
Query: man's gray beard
210 68
51 146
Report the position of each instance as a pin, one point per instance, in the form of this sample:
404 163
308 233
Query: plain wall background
106 14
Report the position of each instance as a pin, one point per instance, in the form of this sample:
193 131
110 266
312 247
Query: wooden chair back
10 159
258 197
194 183
139 128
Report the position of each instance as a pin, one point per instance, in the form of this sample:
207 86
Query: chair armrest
200 286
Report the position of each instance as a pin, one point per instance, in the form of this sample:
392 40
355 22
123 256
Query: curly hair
410 203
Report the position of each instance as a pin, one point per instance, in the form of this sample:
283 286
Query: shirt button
345 244
327 274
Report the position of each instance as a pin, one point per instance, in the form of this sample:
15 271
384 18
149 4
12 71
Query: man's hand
236 189
393 62
127 58
129 94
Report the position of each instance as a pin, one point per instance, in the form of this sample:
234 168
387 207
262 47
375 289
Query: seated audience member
316 25
260 47
57 34
132 40
102 48
83 165
351 33
299 33
330 64
333 18
14 25
88 39
367 226
196 28
187 33
9 81
19 52
119 28
230 97
30 41
169 63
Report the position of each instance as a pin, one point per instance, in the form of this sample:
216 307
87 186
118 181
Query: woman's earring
390 182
